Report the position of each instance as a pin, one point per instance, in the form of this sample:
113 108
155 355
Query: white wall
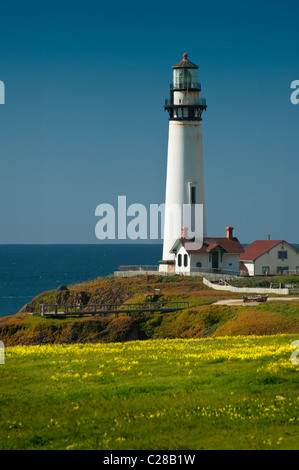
248 290
184 165
202 258
182 269
186 97
250 267
229 263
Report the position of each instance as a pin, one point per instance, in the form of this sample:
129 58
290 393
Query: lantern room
185 75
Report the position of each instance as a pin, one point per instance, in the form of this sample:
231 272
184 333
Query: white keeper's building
266 257
217 255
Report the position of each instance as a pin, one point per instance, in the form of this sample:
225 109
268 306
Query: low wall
214 276
138 273
211 276
246 290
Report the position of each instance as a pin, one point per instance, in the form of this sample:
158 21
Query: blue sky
84 121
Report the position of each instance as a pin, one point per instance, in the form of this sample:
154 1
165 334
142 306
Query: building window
282 269
282 255
265 270
185 260
179 261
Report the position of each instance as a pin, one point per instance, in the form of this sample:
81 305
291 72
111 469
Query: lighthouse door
215 260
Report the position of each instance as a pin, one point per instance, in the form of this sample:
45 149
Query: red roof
258 248
230 245
185 63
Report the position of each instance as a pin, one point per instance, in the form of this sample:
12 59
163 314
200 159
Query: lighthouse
185 176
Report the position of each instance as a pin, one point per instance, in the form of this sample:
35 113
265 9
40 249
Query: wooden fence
55 310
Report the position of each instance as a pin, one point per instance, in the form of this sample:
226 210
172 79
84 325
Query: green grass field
185 394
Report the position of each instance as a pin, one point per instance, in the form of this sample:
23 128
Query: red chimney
229 232
184 231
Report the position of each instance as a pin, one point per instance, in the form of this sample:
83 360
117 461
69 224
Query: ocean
28 270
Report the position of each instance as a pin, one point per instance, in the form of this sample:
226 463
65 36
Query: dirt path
240 301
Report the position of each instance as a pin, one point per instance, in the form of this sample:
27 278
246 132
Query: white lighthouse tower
185 177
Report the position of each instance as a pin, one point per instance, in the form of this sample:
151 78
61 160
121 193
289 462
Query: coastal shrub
121 329
252 321
284 308
215 318
152 321
201 319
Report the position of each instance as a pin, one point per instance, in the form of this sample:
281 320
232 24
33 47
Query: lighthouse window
193 195
185 260
185 79
179 261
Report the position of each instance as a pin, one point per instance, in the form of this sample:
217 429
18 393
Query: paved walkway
240 301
